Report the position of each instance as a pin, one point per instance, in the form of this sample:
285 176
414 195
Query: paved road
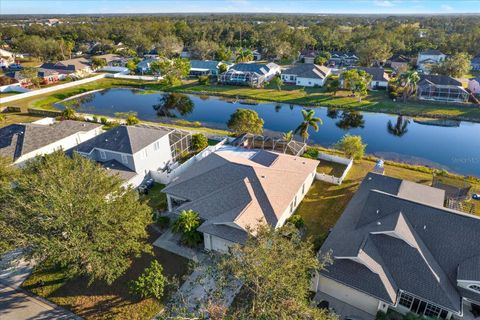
17 304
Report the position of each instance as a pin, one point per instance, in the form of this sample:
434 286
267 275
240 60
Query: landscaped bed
99 300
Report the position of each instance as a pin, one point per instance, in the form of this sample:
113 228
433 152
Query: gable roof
233 192
399 58
204 64
432 52
378 74
109 57
259 68
416 244
476 59
68 65
123 139
309 70
17 140
439 79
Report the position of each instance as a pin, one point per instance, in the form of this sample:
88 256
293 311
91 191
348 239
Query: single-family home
113 60
306 75
144 65
397 247
474 85
308 56
235 190
475 63
441 88
48 76
257 56
6 58
19 77
342 59
23 141
428 58
252 74
132 151
205 68
78 67
379 77
398 62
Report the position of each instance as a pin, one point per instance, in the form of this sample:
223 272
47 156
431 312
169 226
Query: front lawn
99 300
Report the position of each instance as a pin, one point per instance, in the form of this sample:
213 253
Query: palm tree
288 136
309 120
244 55
400 128
408 81
186 225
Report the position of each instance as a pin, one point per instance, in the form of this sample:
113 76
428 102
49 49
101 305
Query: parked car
476 196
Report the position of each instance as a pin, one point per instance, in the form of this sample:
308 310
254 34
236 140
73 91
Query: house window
474 287
124 159
432 311
303 188
292 78
103 155
405 300
156 146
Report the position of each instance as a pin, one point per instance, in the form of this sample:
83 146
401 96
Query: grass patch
17 117
156 199
331 168
101 301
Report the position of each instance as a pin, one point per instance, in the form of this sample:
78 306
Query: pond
451 145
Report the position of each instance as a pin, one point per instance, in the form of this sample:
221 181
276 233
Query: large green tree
352 146
172 70
71 213
408 82
456 66
309 121
357 81
245 121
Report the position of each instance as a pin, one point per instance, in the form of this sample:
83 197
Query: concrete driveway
16 303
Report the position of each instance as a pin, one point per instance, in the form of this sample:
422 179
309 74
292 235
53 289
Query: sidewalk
18 304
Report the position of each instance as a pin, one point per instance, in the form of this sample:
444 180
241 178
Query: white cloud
384 3
446 7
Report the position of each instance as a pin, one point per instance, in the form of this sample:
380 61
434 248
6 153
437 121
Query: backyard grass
17 117
100 301
331 168
324 203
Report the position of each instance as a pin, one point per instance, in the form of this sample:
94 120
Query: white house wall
348 295
62 144
154 159
310 82
215 243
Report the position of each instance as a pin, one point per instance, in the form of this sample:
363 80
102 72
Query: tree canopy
71 213
172 70
352 146
245 121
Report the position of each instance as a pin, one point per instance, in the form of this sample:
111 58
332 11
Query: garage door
351 296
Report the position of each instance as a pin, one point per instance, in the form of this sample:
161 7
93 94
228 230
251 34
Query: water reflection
172 103
350 120
398 129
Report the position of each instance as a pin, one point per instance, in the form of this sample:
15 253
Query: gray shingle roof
417 242
124 139
259 68
116 168
378 74
309 70
469 269
204 64
227 189
438 79
17 140
432 52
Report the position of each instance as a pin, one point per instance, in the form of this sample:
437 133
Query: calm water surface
455 148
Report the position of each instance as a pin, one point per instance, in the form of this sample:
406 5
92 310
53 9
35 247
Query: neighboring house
342 59
441 88
398 61
131 151
235 190
379 77
113 60
476 63
20 78
185 54
308 56
474 85
6 58
257 56
252 74
21 142
205 68
144 65
49 76
396 247
306 74
77 67
428 58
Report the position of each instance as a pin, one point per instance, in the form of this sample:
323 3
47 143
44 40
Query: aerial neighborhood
239 166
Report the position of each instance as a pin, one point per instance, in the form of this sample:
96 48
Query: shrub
199 142
132 120
297 221
104 120
95 119
186 225
163 222
311 153
203 80
352 146
381 315
68 113
151 283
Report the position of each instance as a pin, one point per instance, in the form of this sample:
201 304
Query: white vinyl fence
15 87
329 178
132 77
165 177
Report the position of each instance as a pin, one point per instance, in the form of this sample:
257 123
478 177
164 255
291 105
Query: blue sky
300 6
